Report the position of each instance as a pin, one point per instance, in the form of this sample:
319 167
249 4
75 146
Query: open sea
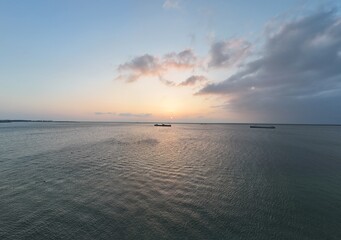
190 181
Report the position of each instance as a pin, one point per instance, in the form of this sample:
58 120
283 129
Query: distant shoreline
14 121
251 123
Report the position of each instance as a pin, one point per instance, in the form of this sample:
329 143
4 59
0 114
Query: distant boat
162 125
259 126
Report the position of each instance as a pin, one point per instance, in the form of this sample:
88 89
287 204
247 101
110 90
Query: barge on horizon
260 126
162 125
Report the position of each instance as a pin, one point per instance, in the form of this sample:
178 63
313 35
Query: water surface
137 181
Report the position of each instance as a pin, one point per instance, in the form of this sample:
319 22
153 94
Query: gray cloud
224 54
143 115
105 113
148 65
193 80
184 59
167 82
126 114
297 77
139 67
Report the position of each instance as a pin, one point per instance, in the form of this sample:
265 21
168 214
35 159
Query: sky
171 61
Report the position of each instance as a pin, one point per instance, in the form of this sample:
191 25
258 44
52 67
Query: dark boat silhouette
260 126
162 125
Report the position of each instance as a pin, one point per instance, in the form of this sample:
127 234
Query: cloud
152 66
193 80
171 4
167 82
143 115
185 59
140 66
126 114
297 76
225 54
105 113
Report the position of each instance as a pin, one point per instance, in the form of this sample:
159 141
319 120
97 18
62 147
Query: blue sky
71 60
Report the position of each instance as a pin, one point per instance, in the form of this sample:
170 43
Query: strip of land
13 121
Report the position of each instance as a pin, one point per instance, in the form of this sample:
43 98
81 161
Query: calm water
136 181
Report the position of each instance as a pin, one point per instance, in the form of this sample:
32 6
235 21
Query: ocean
190 181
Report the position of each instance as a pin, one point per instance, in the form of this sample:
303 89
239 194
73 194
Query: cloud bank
105 113
141 115
297 77
225 54
125 114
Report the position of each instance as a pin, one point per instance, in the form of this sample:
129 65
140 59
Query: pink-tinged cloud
148 65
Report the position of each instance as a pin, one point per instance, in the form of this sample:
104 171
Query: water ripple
186 182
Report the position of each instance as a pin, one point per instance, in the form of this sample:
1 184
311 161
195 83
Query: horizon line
172 122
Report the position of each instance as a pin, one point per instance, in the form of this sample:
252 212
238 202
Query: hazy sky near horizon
171 60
